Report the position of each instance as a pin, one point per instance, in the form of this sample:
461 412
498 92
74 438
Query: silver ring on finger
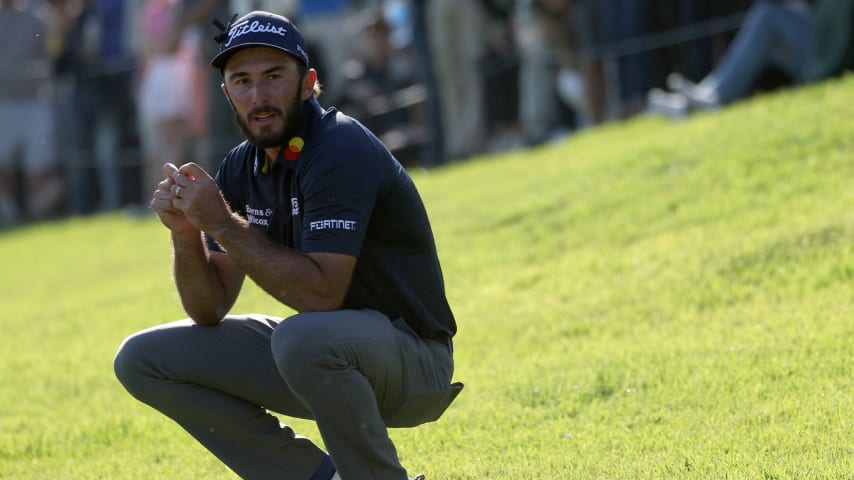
177 192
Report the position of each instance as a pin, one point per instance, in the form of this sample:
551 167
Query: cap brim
222 57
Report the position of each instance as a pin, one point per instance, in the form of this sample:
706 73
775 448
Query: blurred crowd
96 95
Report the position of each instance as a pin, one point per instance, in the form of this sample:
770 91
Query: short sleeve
339 191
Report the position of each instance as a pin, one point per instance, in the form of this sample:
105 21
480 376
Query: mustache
264 109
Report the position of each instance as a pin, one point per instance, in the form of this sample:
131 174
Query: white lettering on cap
254 27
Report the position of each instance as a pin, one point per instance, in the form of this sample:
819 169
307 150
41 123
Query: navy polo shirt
338 189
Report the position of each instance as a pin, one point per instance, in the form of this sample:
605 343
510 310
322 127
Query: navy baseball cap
259 29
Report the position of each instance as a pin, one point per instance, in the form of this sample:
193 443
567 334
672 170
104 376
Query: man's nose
259 94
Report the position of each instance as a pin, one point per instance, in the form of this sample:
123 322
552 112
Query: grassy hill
643 300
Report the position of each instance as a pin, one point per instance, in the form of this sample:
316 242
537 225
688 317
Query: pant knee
128 364
300 348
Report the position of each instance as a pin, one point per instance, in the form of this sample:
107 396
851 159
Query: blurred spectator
551 91
724 9
208 113
381 91
287 8
690 48
589 63
167 50
432 152
560 22
500 70
326 28
456 41
97 62
537 96
623 68
806 45
437 79
26 113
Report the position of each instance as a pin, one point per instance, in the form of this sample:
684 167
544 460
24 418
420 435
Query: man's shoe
676 82
700 96
673 105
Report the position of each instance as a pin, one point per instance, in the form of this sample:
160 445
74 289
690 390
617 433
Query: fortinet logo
333 224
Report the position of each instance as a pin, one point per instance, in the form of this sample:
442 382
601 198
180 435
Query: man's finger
170 170
183 180
165 185
193 170
160 204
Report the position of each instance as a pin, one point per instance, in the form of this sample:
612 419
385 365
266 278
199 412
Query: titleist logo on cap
254 27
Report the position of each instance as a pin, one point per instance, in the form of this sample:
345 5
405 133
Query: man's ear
308 82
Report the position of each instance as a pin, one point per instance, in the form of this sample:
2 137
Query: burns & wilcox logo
258 216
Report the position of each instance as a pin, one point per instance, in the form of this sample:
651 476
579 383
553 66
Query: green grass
644 300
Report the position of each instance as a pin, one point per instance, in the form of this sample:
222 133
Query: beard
269 138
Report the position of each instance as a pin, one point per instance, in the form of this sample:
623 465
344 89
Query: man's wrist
223 231
186 238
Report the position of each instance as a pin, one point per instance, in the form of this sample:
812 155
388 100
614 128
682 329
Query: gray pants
353 372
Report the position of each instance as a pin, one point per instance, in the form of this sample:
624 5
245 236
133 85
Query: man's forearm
291 277
203 295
